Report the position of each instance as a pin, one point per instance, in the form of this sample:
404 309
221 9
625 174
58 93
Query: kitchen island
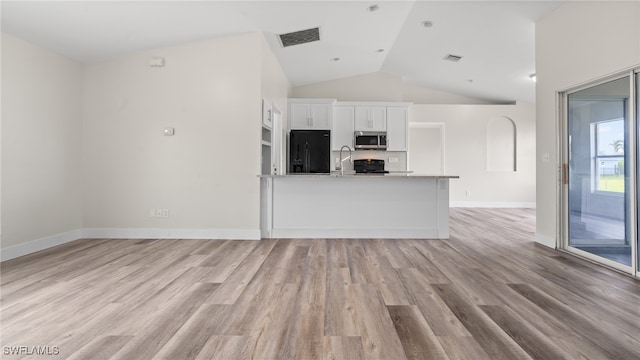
355 206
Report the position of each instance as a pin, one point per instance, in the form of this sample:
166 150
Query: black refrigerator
309 151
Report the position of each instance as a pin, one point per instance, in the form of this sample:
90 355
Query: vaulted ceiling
496 39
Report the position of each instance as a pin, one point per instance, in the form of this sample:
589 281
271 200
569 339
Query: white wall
376 86
274 83
41 144
275 89
210 92
465 129
83 153
421 95
379 86
466 122
578 42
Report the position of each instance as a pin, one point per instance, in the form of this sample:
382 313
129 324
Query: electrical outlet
152 213
467 193
393 159
165 213
158 212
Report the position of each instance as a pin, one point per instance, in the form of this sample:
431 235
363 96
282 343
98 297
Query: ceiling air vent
300 37
454 58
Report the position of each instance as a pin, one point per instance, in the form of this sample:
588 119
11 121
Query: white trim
373 103
598 80
492 204
217 234
545 240
599 260
311 100
32 246
359 233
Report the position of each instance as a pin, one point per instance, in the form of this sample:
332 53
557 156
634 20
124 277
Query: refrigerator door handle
307 157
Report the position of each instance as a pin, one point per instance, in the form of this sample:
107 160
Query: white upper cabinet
342 129
320 116
397 128
343 118
370 118
310 115
299 116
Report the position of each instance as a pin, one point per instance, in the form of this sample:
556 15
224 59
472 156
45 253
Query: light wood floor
487 293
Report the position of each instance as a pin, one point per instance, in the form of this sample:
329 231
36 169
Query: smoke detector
300 37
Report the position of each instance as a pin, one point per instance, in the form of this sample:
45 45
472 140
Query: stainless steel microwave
370 140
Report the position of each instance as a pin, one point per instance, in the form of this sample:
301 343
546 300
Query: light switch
169 131
545 157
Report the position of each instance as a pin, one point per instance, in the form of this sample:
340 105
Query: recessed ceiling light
380 50
335 59
373 8
427 24
533 77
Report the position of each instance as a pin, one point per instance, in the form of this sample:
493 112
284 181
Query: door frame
276 142
562 193
425 125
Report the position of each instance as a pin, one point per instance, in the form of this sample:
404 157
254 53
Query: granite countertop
401 174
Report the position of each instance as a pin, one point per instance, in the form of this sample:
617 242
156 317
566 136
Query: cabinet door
378 117
342 129
362 122
397 128
371 118
320 116
299 117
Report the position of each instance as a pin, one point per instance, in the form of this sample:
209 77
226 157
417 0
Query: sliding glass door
637 117
599 177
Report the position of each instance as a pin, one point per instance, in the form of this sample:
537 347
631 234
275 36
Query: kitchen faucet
342 160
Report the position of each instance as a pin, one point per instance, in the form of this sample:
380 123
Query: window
608 147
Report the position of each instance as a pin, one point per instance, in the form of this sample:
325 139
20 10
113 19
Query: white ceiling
496 39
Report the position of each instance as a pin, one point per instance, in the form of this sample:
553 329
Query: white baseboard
46 242
490 204
431 233
59 239
545 240
217 234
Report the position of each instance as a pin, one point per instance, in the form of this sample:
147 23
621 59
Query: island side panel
357 207
443 208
